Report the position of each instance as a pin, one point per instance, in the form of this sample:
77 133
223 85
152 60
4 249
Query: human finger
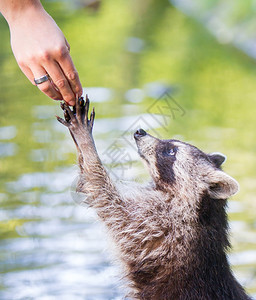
61 82
46 87
68 68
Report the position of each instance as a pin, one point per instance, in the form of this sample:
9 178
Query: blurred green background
201 52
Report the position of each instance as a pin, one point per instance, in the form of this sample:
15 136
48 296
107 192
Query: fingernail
71 103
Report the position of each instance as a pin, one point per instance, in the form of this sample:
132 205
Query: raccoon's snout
139 133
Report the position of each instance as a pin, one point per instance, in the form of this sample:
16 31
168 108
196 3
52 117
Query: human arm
40 48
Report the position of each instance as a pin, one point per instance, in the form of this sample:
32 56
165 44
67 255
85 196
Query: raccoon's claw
78 114
88 121
74 109
79 109
92 117
81 101
86 109
68 115
62 121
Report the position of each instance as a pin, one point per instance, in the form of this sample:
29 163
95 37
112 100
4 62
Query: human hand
40 48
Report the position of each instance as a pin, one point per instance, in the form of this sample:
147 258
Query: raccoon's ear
217 158
221 185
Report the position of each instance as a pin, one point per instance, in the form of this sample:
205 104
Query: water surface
51 246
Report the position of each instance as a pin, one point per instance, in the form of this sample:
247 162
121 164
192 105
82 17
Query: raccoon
171 234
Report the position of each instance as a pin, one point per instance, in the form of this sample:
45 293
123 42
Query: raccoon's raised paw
78 116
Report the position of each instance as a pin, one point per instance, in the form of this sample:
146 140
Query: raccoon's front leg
67 118
81 180
94 180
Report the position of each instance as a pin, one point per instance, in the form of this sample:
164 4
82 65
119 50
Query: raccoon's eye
172 151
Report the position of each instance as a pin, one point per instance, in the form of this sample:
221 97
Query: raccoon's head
176 166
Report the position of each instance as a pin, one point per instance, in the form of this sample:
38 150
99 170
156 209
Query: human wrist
18 10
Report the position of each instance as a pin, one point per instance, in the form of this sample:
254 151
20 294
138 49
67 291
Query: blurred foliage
215 83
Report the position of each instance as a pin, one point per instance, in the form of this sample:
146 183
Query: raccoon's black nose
139 133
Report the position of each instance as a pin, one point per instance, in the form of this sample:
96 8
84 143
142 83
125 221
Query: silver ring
41 79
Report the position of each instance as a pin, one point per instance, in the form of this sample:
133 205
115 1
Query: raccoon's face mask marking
182 166
158 154
166 155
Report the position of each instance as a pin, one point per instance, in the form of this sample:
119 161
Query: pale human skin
40 48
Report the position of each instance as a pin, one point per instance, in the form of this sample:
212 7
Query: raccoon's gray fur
171 235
